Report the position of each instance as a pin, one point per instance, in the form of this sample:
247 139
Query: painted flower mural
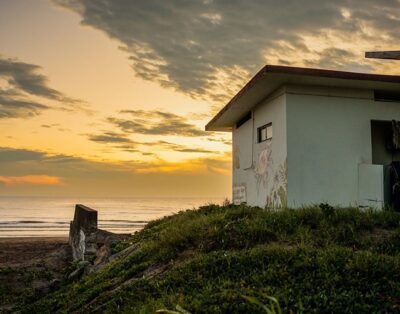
263 166
273 179
278 195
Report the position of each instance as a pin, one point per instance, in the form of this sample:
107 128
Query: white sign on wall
239 194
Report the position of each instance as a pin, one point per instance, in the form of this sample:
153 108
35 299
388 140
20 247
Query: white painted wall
259 168
328 136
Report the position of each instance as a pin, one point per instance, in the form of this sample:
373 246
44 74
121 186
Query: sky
110 97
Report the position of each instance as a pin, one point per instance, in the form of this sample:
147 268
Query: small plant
272 308
179 310
6 271
226 202
327 209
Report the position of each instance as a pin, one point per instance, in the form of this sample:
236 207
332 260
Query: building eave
272 77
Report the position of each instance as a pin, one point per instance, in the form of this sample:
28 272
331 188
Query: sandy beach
28 250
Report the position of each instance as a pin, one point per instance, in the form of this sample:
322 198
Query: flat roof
272 77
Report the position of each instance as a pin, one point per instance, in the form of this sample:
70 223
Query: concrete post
84 224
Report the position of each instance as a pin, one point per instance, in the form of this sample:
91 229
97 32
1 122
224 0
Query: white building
306 136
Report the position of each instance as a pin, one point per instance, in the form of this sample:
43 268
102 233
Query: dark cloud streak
11 107
184 44
156 123
110 137
26 78
122 142
12 155
25 82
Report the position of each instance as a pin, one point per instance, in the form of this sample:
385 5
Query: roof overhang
272 77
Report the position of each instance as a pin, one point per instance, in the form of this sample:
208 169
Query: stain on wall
236 157
239 194
271 178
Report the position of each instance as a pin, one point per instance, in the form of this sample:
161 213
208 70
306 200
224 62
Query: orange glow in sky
29 180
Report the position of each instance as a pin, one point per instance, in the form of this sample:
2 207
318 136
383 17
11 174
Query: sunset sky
110 97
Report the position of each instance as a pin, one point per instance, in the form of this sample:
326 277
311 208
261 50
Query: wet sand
24 251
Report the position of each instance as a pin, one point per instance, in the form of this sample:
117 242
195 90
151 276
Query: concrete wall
259 169
328 136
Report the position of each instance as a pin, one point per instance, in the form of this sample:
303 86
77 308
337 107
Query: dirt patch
31 267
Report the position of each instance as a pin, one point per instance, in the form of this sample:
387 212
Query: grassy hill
238 259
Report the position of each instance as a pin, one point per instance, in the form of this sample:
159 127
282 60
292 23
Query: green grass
236 259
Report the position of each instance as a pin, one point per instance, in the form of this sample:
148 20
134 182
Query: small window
264 132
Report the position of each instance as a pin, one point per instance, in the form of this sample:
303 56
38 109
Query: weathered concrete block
83 225
85 218
89 243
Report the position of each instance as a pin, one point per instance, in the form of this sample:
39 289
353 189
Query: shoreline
33 239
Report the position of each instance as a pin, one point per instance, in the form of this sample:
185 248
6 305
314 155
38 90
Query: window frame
259 130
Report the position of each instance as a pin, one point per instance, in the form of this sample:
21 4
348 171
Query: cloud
8 154
337 58
78 176
178 148
152 122
156 123
220 165
30 180
122 142
26 78
110 138
115 140
208 48
26 92
49 126
220 140
194 150
11 107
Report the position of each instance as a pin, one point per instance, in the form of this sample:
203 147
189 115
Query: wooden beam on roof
392 55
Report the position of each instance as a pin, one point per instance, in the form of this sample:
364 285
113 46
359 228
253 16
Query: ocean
50 216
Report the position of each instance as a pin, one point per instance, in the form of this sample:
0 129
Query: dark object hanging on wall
395 185
396 134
